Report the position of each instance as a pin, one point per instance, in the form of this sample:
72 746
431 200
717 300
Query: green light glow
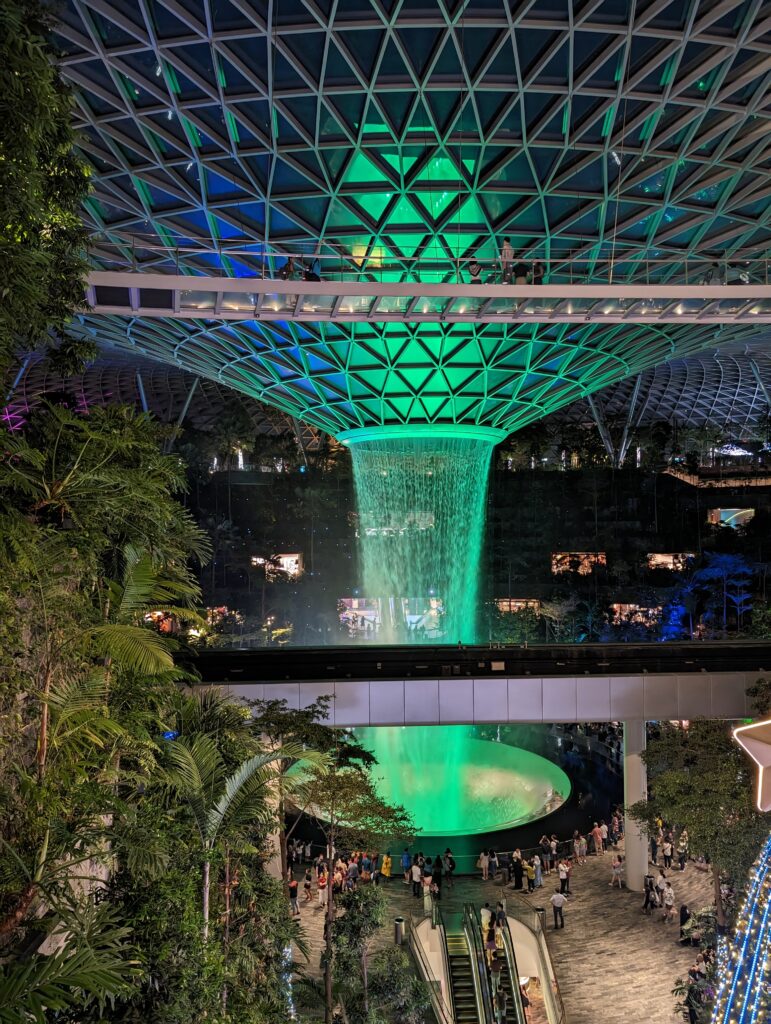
453 784
420 495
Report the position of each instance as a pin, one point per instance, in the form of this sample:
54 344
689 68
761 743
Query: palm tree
237 801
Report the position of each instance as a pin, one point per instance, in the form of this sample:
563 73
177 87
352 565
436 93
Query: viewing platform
149 294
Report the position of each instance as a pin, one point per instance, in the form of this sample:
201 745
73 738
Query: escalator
509 978
462 987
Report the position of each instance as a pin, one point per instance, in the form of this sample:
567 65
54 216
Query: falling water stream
421 505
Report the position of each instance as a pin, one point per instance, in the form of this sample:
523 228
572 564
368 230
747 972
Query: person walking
321 883
558 901
604 835
616 871
484 864
651 897
669 904
682 850
583 849
406 865
292 885
538 871
530 872
654 848
416 874
449 866
545 853
307 884
666 851
385 867
564 876
518 869
597 840
436 878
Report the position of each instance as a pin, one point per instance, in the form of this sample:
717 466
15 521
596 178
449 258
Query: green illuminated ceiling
397 132
342 377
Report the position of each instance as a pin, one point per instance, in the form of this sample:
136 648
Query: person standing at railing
507 259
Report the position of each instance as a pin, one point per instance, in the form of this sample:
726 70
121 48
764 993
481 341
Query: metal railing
333 261
436 990
511 959
482 993
523 912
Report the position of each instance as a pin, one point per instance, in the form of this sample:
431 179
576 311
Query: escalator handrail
511 959
555 1009
473 929
438 921
444 1013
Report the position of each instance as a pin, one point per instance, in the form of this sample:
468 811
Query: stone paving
614 965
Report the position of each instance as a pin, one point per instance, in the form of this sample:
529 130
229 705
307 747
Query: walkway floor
614 965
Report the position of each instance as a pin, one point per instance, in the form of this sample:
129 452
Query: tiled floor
614 965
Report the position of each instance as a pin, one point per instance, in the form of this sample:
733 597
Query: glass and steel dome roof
403 137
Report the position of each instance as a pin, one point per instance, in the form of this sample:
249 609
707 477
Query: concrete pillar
635 788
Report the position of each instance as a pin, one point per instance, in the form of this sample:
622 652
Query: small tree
364 910
278 725
349 811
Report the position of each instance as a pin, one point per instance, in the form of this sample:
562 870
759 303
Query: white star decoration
756 740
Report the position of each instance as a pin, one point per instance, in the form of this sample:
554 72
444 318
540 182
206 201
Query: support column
635 788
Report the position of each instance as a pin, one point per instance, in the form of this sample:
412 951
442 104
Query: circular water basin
454 784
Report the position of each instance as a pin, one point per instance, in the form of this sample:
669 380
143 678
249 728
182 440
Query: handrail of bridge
331 261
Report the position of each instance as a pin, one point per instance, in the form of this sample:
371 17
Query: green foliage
395 988
93 803
42 185
94 963
701 780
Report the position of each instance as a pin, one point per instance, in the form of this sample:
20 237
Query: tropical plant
94 962
237 802
363 912
43 183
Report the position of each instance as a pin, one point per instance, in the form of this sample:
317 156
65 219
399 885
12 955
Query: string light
743 979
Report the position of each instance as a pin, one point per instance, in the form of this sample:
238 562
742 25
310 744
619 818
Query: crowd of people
342 871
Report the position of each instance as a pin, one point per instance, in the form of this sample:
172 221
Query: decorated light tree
744 974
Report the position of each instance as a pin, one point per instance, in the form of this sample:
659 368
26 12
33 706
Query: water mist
421 496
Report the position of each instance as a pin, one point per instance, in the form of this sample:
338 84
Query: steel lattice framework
402 137
727 389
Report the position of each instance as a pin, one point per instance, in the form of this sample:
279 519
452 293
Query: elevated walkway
150 294
549 683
